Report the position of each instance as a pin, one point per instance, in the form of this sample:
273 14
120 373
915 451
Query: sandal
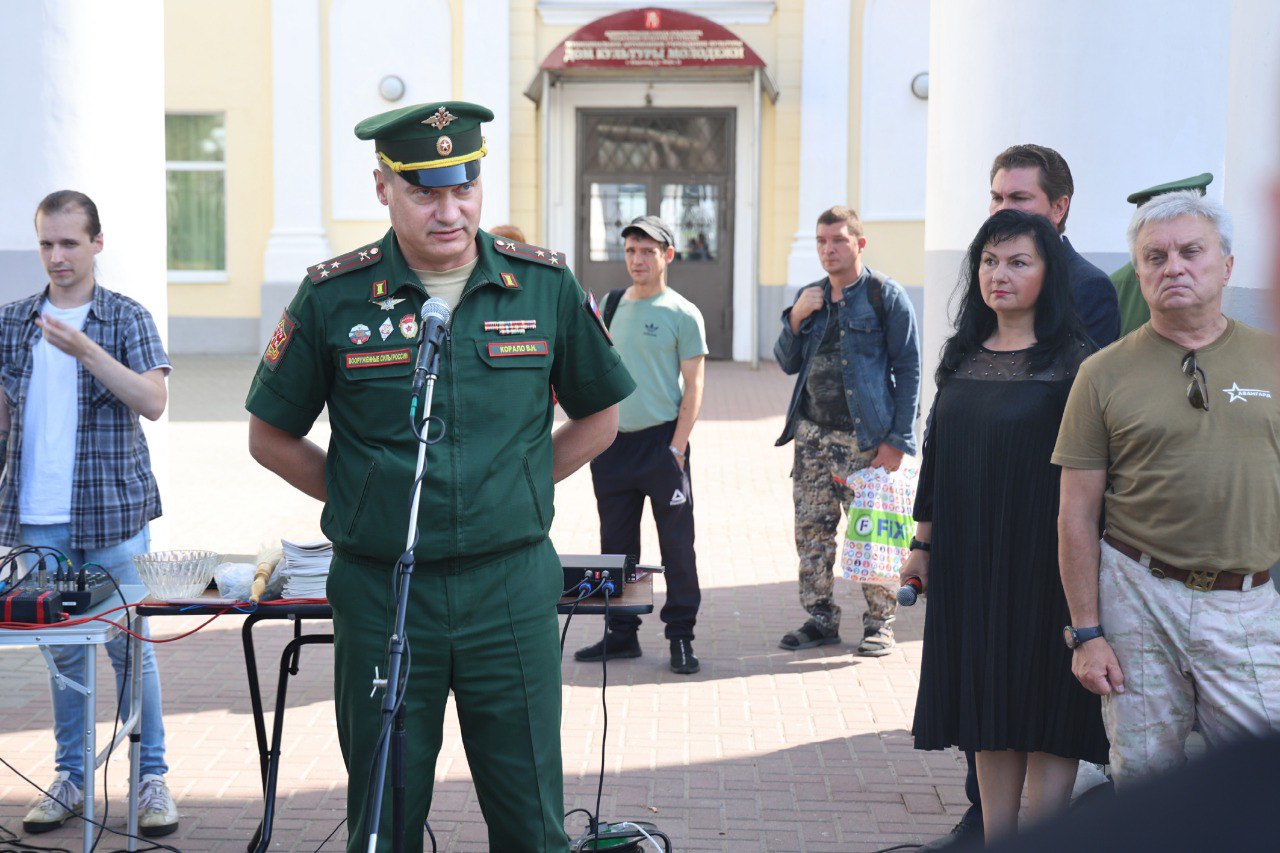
809 634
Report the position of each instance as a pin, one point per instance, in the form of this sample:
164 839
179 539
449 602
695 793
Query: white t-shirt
50 417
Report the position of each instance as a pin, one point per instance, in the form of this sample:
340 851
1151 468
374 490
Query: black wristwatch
917 545
1076 637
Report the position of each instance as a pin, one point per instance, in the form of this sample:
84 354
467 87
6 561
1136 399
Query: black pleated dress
995 672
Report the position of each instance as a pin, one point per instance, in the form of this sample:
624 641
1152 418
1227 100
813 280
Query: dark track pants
639 465
491 636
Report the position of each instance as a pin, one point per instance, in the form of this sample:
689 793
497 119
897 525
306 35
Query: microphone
910 591
435 317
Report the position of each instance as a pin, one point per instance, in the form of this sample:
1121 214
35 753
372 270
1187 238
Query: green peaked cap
1199 182
431 145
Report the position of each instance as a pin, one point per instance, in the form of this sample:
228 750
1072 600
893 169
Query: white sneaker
157 815
63 800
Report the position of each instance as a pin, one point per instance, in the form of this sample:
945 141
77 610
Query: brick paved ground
762 750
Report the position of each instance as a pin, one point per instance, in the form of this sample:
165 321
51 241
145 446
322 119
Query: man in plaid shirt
79 364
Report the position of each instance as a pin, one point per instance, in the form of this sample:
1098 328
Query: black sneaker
614 646
682 660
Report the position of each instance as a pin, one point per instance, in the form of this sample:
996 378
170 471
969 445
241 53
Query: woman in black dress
995 676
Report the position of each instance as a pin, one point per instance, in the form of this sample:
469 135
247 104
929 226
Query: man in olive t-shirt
1175 431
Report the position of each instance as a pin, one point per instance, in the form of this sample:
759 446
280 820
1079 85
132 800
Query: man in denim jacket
852 342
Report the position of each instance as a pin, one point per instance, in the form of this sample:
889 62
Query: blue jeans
68 705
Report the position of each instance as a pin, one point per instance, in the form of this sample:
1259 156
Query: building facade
739 120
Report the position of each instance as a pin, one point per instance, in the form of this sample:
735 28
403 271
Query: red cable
84 620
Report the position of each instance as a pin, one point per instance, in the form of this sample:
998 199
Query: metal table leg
269 752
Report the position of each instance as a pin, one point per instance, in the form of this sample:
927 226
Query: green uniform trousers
491 636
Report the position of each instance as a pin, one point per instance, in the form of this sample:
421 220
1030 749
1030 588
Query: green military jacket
349 340
1134 310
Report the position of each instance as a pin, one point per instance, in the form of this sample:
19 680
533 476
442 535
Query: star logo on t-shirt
1235 392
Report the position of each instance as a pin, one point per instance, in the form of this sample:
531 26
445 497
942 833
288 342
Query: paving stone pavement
762 750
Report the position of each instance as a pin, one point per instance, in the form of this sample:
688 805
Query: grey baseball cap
653 228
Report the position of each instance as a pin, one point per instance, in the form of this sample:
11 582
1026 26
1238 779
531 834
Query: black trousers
638 465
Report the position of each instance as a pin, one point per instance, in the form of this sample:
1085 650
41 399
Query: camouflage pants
1186 656
823 459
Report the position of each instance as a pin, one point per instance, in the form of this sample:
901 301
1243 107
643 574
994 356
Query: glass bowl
176 574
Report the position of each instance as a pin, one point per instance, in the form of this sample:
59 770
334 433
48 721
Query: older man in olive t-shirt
1175 429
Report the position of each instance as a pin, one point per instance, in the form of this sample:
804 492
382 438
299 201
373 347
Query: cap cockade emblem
440 119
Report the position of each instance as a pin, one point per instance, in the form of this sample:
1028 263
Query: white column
297 235
88 84
824 128
1099 100
1253 138
486 80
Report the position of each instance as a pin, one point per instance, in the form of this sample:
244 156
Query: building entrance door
676 164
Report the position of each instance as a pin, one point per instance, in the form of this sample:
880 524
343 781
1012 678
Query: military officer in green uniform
1133 308
481 618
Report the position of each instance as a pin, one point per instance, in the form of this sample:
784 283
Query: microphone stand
391 710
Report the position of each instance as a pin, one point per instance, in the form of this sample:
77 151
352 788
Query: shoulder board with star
525 252
365 256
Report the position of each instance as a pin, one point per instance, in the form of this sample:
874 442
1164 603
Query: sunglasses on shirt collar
1198 387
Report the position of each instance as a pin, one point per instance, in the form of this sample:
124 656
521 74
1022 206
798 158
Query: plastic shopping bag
878 536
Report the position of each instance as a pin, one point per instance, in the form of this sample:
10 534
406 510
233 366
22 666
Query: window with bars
196 190
663 142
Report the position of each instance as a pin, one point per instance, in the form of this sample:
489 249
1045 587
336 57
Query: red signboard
652 38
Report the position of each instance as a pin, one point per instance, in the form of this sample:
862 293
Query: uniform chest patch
376 358
279 342
501 349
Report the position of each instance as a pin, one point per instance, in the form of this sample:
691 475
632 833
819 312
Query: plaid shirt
113 492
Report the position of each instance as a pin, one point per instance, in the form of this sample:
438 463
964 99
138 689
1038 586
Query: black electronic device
77 591
622 837
599 572
28 605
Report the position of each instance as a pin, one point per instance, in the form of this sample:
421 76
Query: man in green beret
481 614
1133 308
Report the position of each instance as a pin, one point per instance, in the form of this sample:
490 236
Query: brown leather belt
1202 581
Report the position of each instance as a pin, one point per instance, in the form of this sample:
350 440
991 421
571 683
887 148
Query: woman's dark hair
64 200
1057 323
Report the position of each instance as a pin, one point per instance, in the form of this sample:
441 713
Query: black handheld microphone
435 318
910 591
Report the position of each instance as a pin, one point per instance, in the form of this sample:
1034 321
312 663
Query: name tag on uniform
380 358
498 349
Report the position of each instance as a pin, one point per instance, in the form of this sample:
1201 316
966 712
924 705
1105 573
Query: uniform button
848 393
857 420
844 361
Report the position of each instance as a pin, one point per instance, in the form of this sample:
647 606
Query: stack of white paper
305 566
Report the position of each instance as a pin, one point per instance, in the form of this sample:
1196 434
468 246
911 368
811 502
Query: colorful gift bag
878 536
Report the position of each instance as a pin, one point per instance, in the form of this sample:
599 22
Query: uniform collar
488 269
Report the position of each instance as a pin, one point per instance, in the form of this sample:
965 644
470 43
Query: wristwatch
917 545
1076 637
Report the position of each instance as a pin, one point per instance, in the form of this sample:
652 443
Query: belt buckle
1201 581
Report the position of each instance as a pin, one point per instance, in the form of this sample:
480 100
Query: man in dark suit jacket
1036 179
